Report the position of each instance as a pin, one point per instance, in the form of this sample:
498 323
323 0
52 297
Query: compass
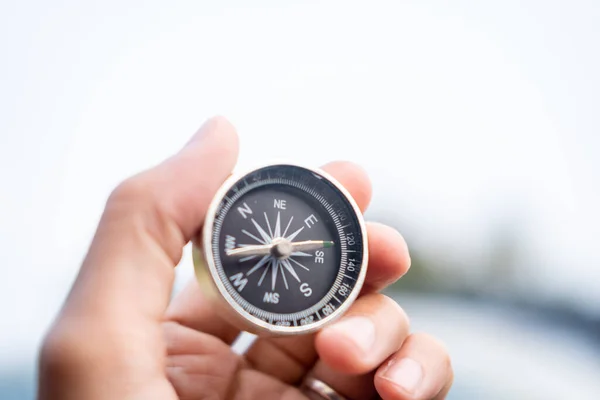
284 249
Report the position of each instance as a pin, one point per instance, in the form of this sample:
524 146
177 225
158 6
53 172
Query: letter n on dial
280 245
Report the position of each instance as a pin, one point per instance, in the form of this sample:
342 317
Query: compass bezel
204 260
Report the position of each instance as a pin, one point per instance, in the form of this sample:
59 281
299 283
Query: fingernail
358 330
406 373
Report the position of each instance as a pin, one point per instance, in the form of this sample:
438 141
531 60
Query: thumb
128 272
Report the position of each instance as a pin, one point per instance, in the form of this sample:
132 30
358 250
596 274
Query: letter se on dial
283 248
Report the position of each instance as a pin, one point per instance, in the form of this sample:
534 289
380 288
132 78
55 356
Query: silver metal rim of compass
208 277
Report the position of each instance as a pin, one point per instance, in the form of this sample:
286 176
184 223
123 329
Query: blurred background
477 121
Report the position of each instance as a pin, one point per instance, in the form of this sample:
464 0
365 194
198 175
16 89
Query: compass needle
295 227
300 254
281 248
312 245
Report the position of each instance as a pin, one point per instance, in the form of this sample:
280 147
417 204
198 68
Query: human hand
119 336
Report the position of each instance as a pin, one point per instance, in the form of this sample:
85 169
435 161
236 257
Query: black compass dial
287 245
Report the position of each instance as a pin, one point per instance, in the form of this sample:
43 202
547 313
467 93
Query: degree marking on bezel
256 324
250 308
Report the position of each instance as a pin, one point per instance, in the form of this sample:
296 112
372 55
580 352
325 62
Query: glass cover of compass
286 248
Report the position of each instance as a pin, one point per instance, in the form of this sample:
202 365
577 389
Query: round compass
285 247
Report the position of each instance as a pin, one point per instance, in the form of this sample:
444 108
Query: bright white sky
466 115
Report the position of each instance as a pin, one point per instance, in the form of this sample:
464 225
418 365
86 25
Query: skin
119 336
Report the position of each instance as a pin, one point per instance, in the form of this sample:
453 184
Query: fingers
374 333
351 349
421 369
252 384
354 178
288 359
147 221
372 330
111 315
192 308
197 362
389 259
201 366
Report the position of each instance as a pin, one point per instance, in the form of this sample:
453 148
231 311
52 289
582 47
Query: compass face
286 247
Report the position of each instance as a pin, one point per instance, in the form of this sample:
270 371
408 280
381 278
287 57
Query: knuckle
137 196
134 189
424 338
384 308
391 306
